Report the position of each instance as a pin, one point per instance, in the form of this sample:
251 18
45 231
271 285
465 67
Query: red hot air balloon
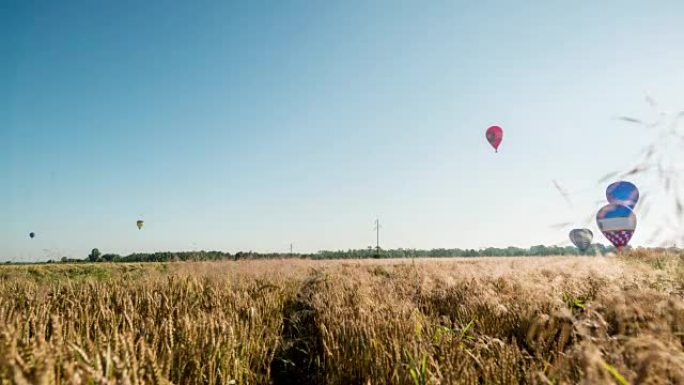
494 136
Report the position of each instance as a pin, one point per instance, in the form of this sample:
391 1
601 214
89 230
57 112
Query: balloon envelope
617 223
623 193
581 238
494 136
32 235
139 224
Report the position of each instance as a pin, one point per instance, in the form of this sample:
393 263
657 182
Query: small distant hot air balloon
32 235
581 238
617 223
140 224
494 136
623 193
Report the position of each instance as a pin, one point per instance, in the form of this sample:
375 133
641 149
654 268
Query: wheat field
544 320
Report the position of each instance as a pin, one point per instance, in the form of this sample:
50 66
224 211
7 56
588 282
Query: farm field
534 320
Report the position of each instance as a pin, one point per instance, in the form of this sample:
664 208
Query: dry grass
447 321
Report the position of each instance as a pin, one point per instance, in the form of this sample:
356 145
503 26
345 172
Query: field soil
522 320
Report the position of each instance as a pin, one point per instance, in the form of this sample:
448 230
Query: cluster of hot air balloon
616 220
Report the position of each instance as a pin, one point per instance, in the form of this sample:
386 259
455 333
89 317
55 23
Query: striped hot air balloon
581 238
617 223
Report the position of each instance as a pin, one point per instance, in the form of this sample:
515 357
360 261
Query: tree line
171 256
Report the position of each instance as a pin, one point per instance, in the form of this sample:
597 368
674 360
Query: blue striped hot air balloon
617 223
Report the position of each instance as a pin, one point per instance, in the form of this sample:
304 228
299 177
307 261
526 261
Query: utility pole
290 249
377 238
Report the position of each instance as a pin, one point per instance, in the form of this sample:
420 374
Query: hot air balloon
494 136
32 235
623 193
617 223
140 224
581 238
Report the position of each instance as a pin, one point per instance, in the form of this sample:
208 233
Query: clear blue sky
250 125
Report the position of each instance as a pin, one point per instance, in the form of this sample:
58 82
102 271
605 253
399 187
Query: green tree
94 255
